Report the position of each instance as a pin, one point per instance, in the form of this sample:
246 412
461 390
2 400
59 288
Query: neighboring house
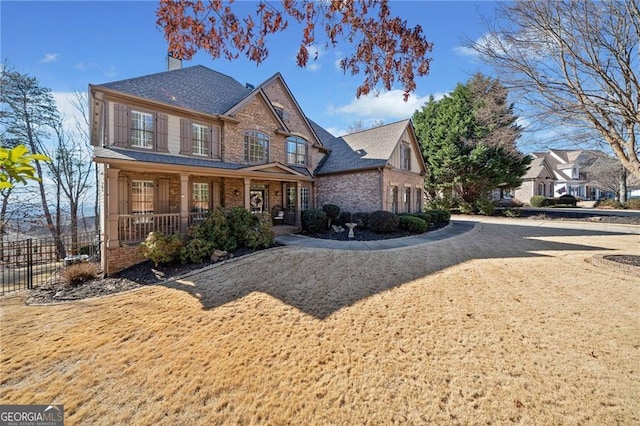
172 146
557 172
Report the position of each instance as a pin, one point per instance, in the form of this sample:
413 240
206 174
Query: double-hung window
142 129
200 144
296 150
142 199
256 147
200 197
405 157
304 198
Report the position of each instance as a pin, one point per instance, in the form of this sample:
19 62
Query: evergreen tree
468 141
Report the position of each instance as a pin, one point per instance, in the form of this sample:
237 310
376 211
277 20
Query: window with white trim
405 156
304 198
406 200
142 129
256 147
142 197
200 143
200 199
393 199
296 150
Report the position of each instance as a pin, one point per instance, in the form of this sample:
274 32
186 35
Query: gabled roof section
274 168
278 76
257 93
367 149
539 169
197 88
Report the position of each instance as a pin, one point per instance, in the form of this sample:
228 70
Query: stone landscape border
599 259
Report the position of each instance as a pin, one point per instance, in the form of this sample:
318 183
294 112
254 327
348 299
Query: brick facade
338 189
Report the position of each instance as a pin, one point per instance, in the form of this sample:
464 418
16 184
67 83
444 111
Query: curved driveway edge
454 229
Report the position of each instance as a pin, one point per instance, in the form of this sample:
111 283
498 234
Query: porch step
284 230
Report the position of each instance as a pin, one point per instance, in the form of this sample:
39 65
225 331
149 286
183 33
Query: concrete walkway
458 226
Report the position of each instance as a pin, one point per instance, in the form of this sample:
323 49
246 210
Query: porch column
298 203
247 193
184 203
111 231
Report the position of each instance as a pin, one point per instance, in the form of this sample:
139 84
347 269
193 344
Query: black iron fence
30 262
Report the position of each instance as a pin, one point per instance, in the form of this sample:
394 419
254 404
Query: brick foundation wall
120 258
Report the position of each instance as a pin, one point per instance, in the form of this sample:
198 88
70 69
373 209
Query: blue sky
68 45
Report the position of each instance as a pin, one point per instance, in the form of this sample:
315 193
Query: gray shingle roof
197 88
362 150
153 157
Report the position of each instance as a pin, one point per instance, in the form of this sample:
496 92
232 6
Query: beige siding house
172 146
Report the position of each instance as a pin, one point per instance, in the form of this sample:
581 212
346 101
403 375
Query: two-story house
173 145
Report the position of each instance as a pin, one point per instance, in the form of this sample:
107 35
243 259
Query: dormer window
296 151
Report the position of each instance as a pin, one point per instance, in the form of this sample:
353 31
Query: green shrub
512 212
215 230
413 224
196 251
538 201
261 235
241 221
345 217
440 203
485 207
332 212
161 248
445 215
424 216
362 219
633 204
314 220
79 273
566 200
383 222
465 208
609 203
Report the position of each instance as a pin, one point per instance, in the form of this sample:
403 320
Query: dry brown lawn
505 324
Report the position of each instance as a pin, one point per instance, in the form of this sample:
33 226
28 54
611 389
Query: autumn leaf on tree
386 49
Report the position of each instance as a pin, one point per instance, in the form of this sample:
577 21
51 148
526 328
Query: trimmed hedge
314 220
362 219
413 224
425 216
564 200
439 216
383 222
345 217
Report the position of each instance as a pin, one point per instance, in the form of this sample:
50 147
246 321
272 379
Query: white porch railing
136 227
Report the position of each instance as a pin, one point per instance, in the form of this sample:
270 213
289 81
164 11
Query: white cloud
68 111
387 106
466 51
49 57
313 64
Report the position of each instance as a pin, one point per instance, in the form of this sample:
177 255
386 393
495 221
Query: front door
256 197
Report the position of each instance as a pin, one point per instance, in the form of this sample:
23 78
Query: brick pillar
184 203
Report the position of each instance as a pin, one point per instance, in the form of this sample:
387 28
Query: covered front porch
146 198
